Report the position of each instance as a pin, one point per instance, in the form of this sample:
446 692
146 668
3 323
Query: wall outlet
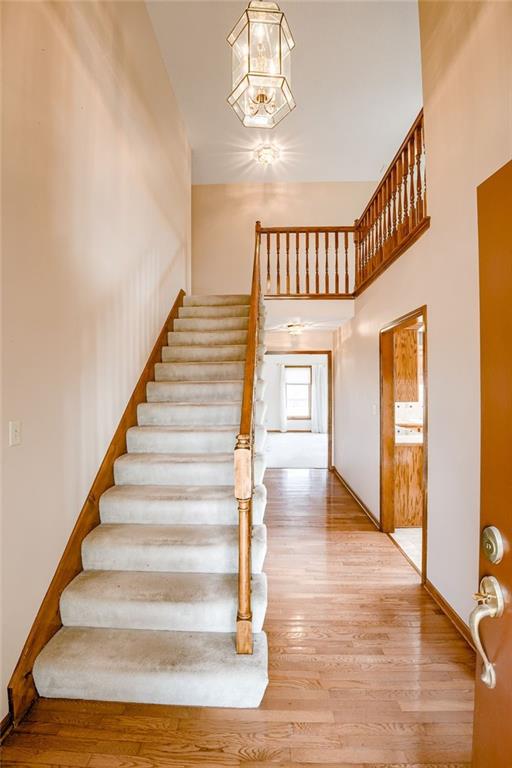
14 433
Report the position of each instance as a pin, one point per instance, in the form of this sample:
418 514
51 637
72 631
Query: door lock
490 604
492 544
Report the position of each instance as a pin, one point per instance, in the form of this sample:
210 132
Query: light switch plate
14 433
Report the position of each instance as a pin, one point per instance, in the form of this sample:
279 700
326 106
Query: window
298 391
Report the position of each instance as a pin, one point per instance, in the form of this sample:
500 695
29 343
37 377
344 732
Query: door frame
387 428
328 353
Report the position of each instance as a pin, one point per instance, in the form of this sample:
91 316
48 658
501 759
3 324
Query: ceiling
356 78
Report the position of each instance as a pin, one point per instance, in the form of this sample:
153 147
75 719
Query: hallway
365 670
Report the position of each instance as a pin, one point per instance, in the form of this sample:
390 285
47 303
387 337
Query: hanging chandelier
261 44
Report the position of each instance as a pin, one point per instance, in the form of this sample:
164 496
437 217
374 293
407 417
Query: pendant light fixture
261 44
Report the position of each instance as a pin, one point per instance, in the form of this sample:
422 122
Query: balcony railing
339 262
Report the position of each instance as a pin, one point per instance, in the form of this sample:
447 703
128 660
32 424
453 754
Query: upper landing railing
340 262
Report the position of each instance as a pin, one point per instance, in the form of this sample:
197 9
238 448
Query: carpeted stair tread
208 338
183 602
213 300
194 391
179 468
133 665
179 548
212 311
204 353
177 505
200 371
211 324
186 439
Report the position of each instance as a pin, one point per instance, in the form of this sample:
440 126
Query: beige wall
467 65
223 218
96 218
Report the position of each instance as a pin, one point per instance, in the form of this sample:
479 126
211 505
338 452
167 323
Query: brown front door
492 747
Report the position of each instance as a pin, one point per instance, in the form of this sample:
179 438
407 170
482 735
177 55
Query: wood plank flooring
365 670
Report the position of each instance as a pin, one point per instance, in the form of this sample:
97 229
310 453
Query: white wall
467 65
95 246
224 215
271 374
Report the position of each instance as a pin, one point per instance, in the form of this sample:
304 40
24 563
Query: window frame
309 386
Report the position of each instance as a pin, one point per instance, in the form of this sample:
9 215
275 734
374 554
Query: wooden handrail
243 460
418 121
395 216
308 262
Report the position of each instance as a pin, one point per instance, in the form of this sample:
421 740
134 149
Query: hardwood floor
365 669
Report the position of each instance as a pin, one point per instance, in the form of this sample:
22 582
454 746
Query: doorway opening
403 373
298 398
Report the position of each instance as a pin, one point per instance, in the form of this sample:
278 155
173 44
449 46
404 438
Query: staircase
152 616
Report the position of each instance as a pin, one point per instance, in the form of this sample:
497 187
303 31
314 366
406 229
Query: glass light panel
261 43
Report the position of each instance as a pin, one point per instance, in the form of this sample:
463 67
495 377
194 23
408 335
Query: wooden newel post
243 493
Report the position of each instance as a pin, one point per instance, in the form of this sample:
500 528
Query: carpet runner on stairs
152 616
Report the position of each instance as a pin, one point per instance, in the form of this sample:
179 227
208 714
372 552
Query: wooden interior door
492 743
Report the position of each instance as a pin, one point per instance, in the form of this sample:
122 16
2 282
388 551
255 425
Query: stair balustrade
340 262
244 460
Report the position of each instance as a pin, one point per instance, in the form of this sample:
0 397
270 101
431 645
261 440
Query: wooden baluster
337 274
398 168
243 493
317 276
297 262
278 265
287 262
357 253
405 177
327 262
371 238
346 262
269 281
412 165
424 154
419 190
379 229
390 209
307 262
384 217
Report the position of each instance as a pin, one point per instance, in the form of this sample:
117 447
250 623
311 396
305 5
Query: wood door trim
356 498
21 689
387 427
459 624
328 353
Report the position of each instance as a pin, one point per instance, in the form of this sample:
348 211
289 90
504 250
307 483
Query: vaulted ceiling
356 78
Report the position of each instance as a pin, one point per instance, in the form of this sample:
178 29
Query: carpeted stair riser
193 391
216 301
207 324
182 602
177 548
208 338
194 414
180 668
200 371
206 354
234 310
177 505
198 391
179 469
187 440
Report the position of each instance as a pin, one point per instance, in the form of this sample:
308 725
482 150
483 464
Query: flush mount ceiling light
261 43
266 154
